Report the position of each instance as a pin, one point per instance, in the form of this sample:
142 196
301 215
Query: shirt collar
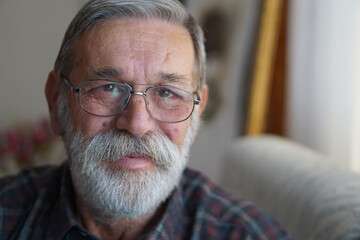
170 225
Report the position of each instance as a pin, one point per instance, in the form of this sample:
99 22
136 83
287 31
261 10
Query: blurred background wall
30 36
324 77
321 104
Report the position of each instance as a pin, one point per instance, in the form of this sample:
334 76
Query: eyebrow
115 73
105 73
173 77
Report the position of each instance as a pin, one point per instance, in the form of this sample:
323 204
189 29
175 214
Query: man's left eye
168 94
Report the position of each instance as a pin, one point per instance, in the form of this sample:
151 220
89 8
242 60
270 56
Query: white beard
112 193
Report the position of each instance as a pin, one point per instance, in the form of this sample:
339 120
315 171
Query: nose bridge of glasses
140 94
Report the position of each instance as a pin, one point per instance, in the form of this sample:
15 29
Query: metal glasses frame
197 100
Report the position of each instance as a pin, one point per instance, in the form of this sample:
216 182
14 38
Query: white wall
30 36
324 105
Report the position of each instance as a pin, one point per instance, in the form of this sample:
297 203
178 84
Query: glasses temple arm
198 100
74 89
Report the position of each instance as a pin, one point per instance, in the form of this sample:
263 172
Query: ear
204 98
52 94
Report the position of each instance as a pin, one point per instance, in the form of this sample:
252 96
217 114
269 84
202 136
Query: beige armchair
311 197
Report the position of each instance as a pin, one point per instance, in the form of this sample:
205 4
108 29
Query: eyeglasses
106 98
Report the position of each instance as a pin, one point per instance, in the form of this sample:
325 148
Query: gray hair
97 11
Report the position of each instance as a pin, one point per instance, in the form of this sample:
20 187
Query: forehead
135 49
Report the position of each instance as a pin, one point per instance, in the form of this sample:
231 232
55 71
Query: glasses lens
169 104
104 98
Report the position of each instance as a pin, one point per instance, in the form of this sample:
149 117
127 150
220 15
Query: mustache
113 145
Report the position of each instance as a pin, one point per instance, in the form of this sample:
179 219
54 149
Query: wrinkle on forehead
143 35
135 43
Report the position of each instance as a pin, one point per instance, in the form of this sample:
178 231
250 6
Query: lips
133 161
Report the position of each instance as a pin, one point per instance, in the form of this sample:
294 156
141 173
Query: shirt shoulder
25 200
220 212
21 190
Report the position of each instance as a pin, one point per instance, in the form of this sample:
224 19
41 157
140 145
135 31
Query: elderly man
126 95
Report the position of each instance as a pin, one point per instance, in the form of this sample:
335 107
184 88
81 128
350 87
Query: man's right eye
105 90
109 88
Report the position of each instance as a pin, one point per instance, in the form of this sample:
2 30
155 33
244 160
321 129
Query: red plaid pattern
39 204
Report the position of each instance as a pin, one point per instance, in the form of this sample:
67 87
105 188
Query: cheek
92 125
175 132
88 124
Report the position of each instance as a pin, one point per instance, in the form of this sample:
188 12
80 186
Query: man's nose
135 118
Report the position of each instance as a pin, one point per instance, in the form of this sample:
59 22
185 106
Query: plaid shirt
39 204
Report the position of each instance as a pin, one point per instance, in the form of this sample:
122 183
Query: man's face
134 51
123 166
